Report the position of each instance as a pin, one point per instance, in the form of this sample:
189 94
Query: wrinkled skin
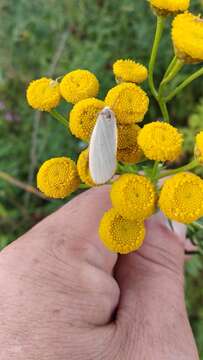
65 297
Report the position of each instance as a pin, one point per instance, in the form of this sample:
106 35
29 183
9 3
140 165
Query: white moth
103 147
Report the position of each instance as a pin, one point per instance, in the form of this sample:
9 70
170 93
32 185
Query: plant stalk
84 186
164 110
174 71
193 164
59 117
154 53
170 67
21 185
185 83
155 171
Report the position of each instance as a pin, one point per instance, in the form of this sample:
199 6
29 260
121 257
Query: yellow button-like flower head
160 141
129 103
78 85
130 155
43 94
129 71
83 168
187 35
128 150
83 117
58 177
167 7
199 147
181 198
120 235
127 135
133 196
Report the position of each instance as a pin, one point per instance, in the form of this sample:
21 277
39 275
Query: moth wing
103 148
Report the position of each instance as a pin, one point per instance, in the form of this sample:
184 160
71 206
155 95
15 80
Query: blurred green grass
42 38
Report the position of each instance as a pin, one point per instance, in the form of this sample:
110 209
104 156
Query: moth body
103 147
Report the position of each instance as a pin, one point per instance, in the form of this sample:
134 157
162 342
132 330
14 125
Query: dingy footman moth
103 147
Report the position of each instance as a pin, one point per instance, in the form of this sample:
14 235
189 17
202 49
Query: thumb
152 291
156 270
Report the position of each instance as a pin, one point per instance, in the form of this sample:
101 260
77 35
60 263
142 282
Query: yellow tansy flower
83 117
43 94
78 85
128 150
160 141
120 235
130 155
129 103
199 147
133 196
127 135
129 71
83 168
181 198
58 177
187 35
167 7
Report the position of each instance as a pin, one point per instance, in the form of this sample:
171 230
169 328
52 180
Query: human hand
66 297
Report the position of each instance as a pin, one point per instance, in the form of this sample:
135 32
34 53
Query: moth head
107 112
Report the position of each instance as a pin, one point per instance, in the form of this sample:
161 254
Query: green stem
155 171
21 185
170 67
197 225
185 83
154 53
84 186
127 168
59 117
120 169
174 71
193 164
175 67
164 110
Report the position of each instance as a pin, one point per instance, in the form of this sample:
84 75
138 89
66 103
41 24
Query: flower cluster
122 227
128 70
169 7
129 102
119 234
187 35
181 198
143 151
58 177
160 141
128 150
43 94
83 168
83 117
80 87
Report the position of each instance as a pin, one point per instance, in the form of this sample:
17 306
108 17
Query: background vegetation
51 38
